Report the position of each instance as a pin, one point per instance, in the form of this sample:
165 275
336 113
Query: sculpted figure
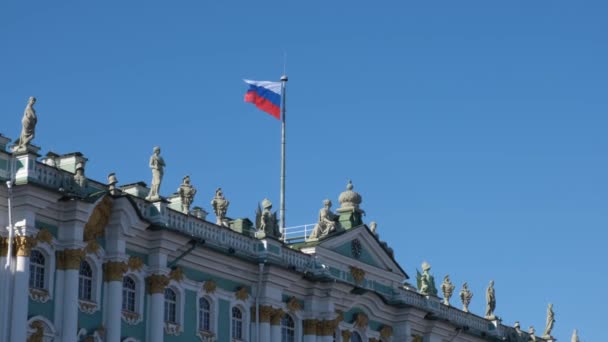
448 289
532 333
327 223
157 164
267 221
186 193
465 296
518 335
426 282
373 226
220 207
490 301
28 125
550 322
79 177
574 336
112 181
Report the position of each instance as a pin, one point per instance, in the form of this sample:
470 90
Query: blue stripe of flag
267 94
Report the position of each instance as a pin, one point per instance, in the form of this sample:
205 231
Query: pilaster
155 286
68 261
23 248
113 272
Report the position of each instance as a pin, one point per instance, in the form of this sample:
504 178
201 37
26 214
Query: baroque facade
92 261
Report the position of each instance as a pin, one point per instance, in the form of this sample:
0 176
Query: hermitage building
90 260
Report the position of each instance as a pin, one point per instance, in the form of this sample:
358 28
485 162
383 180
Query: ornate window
129 290
85 281
170 306
204 314
355 337
288 329
237 324
37 265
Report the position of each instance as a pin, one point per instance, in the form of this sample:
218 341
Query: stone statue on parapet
490 301
266 221
574 336
186 193
373 226
328 222
532 333
112 181
28 126
79 178
220 207
550 322
157 164
425 281
465 297
448 289
517 335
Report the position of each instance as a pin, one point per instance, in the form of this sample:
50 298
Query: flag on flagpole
266 96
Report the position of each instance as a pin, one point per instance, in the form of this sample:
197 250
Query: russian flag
266 96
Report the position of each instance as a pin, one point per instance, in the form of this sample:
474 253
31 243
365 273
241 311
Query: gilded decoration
39 295
357 273
135 263
293 304
386 331
328 327
38 334
157 283
361 321
209 286
310 326
24 245
131 318
44 235
176 274
69 259
87 307
242 294
98 220
339 317
416 338
3 246
114 270
346 335
276 316
265 313
92 247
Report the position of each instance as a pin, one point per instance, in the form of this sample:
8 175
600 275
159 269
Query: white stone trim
49 329
246 310
90 307
49 275
133 318
214 307
178 327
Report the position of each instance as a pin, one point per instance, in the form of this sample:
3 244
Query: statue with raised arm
328 222
550 322
157 164
186 192
28 126
490 301
448 289
465 296
220 207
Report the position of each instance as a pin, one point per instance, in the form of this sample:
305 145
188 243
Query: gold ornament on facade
44 235
416 338
157 283
361 321
310 326
346 335
328 327
265 313
114 270
293 304
135 263
92 247
3 246
386 331
98 220
38 334
357 273
242 294
176 274
69 259
209 286
24 245
339 317
276 316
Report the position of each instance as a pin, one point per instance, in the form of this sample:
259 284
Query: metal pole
282 209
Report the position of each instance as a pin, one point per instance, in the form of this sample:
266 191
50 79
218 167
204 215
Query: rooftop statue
425 281
28 126
532 333
350 200
465 296
550 322
157 164
490 301
186 192
574 336
220 207
373 226
112 181
518 335
448 289
266 221
328 222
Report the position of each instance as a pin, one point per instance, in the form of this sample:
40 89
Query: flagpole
282 209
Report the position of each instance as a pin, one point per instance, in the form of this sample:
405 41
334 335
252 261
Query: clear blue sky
474 130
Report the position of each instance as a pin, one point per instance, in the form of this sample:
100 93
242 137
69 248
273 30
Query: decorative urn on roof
349 211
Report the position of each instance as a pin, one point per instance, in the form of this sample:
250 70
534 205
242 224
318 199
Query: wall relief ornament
241 294
92 247
276 316
114 271
210 286
361 321
157 283
3 246
265 313
38 334
357 274
346 335
87 307
310 327
328 327
39 295
386 331
135 263
176 274
98 220
355 246
69 259
24 245
293 304
44 235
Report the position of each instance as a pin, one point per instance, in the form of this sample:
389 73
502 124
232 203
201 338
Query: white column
156 312
326 338
310 338
264 331
69 326
309 330
59 281
275 332
5 277
20 296
113 273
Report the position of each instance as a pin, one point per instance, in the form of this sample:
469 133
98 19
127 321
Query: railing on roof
297 234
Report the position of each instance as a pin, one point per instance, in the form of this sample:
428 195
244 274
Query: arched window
204 314
288 329
170 306
128 294
85 281
237 323
355 337
37 263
